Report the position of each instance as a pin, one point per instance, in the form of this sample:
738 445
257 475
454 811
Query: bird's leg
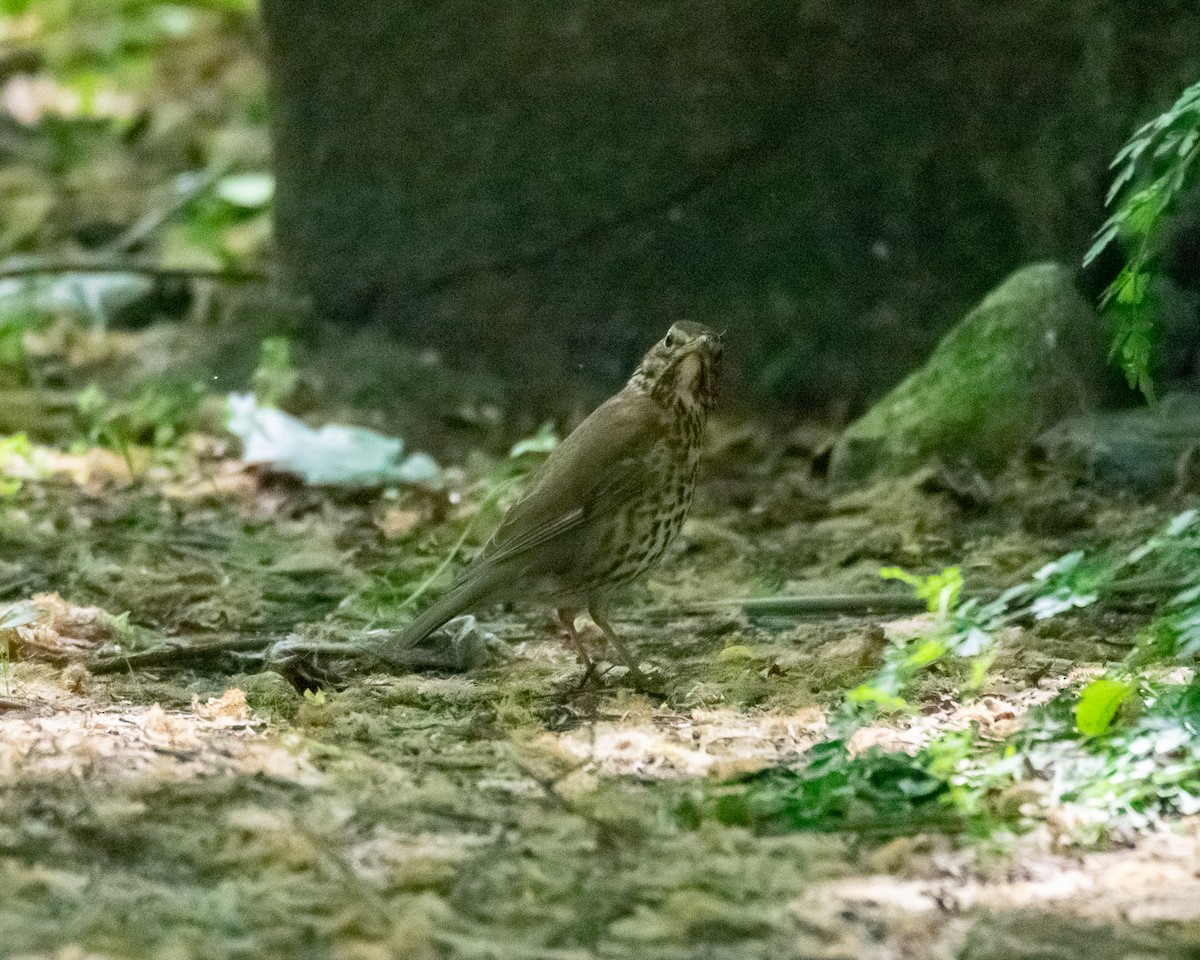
622 651
566 617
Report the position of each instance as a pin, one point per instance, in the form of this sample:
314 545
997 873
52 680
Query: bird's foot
589 675
643 682
615 674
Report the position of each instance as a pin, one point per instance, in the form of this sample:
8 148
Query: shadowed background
536 186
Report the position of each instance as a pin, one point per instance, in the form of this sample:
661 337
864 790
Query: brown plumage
607 502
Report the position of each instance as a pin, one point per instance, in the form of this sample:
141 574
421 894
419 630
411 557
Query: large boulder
1032 353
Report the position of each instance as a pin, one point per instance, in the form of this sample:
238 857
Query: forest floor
200 758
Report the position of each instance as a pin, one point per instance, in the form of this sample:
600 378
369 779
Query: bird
605 504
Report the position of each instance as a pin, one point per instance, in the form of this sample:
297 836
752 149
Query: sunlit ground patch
667 744
670 744
1156 879
47 731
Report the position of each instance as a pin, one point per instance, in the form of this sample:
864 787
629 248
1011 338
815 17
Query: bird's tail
478 588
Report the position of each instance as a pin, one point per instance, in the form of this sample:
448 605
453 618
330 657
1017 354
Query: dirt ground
200 756
253 798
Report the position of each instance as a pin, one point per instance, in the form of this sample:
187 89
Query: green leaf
1153 169
928 652
1098 704
542 442
1060 601
940 591
251 191
1065 564
1181 523
866 693
1104 237
15 447
972 642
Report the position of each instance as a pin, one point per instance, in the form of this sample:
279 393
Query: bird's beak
715 347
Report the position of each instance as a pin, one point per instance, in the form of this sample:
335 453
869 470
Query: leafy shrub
1154 170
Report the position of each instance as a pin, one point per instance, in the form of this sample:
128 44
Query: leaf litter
50 731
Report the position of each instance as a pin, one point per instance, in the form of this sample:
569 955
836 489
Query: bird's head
681 369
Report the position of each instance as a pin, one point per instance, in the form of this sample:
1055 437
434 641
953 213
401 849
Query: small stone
1147 450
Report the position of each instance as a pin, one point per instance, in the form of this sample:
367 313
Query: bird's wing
601 465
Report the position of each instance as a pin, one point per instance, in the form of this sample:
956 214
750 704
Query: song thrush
607 501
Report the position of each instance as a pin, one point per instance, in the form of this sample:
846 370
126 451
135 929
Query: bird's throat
687 379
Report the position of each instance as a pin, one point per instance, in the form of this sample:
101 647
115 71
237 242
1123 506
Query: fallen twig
180 652
218 275
795 606
272 651
818 604
153 220
277 651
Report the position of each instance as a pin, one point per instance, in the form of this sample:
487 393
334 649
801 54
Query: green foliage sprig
1161 157
1121 753
15 447
1124 775
160 413
966 628
960 629
874 792
275 378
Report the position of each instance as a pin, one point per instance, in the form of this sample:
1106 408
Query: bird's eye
669 341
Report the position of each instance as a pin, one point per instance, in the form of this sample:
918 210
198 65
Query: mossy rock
1032 353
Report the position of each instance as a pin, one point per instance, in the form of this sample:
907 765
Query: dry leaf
230 707
63 629
397 522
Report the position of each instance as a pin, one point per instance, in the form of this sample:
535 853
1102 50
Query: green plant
541 443
1098 705
1123 776
225 221
16 447
1172 558
965 628
20 313
158 414
1154 169
874 792
275 378
164 410
962 629
16 615
940 591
